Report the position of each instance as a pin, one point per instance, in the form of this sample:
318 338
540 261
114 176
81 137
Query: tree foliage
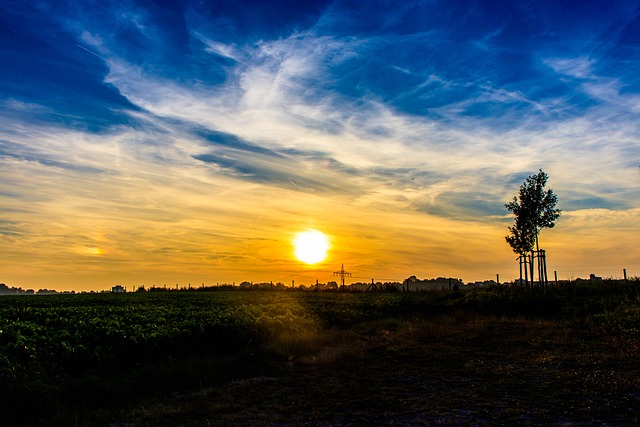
534 209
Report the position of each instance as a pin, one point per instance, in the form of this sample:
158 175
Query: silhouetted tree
534 209
521 240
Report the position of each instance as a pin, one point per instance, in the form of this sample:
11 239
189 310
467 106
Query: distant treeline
6 290
411 284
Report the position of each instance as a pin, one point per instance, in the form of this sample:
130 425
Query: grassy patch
521 355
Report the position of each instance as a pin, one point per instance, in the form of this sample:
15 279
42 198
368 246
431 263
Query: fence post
624 270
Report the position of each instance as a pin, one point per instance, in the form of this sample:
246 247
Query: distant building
118 289
440 284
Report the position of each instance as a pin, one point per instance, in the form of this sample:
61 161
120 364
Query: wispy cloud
580 68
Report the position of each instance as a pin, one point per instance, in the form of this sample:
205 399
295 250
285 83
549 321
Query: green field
487 356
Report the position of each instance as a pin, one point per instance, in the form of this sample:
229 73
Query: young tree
522 239
522 243
534 209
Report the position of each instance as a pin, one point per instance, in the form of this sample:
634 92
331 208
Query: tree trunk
520 270
540 282
531 269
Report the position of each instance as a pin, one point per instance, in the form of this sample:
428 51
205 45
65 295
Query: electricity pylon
342 275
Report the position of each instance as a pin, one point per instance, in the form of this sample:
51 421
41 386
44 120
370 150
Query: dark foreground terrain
568 357
449 370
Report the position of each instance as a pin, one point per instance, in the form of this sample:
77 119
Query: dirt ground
453 370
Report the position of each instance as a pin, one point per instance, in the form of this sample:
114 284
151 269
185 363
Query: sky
188 142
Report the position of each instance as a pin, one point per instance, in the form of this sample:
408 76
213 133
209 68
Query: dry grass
459 369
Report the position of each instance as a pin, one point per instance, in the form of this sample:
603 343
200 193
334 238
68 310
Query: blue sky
138 135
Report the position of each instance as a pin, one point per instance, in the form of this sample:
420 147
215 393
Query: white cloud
218 48
268 103
581 68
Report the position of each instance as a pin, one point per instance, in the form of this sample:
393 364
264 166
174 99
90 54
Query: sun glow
311 246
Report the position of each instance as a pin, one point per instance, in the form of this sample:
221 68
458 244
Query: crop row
90 331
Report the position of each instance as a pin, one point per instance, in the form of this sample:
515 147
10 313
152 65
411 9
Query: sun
311 246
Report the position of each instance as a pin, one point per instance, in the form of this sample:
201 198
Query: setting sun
311 246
